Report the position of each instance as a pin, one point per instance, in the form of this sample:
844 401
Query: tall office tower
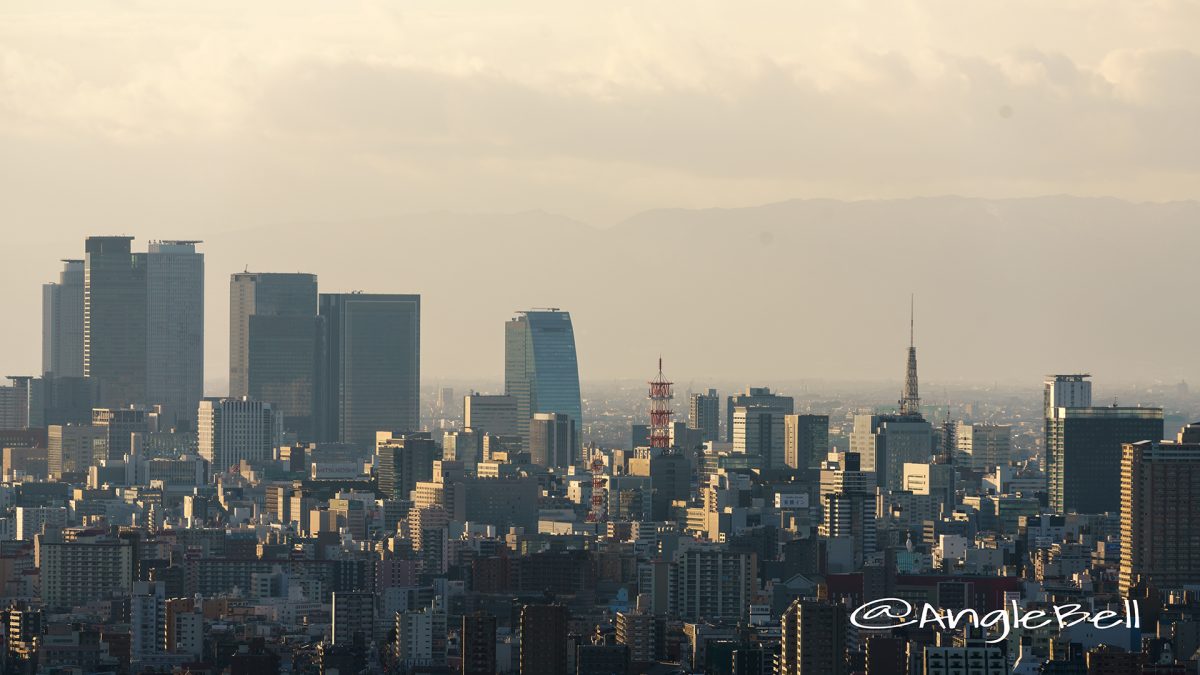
402 461
704 413
62 322
353 618
175 330
758 431
541 370
230 430
1084 454
1160 496
478 644
886 442
372 366
814 639
713 582
275 344
806 440
543 640
983 446
73 448
760 397
121 424
114 321
496 415
553 440
670 476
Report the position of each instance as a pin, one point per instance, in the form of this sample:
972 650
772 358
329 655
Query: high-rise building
62 322
704 413
353 618
493 414
1160 496
982 446
1067 391
541 371
76 571
886 442
421 637
758 431
175 330
553 440
231 430
114 321
806 440
402 461
478 644
713 582
22 403
543 640
1084 454
848 505
372 366
814 639
275 344
759 397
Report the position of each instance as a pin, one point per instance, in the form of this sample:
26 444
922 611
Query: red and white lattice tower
660 411
599 512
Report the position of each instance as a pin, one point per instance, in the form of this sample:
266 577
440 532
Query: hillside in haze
1006 290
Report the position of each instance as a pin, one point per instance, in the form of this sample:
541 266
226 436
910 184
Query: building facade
541 371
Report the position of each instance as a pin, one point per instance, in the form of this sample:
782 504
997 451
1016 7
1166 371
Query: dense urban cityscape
333 513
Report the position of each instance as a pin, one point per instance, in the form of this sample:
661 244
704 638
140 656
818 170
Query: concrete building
553 440
231 430
886 442
982 446
73 448
490 413
1160 497
402 461
760 397
813 639
175 331
543 640
758 431
353 618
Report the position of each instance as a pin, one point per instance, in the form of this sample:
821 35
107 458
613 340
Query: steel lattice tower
660 410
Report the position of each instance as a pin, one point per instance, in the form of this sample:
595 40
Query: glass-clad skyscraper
175 330
540 368
371 372
114 321
275 344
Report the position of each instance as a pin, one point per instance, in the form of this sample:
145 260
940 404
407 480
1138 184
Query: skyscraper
114 321
175 330
543 640
1160 496
910 398
490 413
403 461
982 446
275 344
806 440
759 431
62 323
371 374
230 430
1083 454
886 442
540 367
704 413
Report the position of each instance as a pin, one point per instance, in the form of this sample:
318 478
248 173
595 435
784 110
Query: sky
204 119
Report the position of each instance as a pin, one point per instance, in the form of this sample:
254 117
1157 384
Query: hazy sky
200 119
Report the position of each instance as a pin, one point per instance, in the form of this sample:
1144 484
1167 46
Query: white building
983 446
234 429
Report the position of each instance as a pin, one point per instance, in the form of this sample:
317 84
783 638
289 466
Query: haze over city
496 158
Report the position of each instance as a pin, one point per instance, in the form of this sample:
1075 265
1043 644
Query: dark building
544 640
1084 454
806 440
403 461
758 397
887 655
478 644
114 320
704 414
371 370
553 440
814 639
540 367
275 344
601 660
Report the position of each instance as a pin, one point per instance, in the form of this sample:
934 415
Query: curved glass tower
540 368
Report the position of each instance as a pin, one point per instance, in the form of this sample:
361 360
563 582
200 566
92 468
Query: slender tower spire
910 400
